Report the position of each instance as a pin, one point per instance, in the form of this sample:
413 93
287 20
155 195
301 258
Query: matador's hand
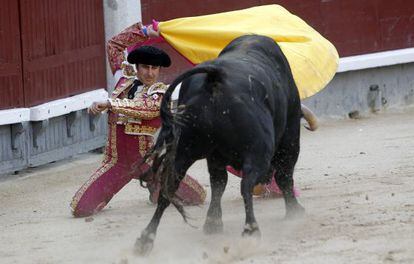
98 107
151 31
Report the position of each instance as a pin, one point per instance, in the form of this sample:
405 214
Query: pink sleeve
117 45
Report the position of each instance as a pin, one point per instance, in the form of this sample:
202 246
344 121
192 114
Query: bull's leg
218 181
251 172
284 163
145 242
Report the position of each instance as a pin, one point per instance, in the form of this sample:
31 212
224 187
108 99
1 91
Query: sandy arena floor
356 179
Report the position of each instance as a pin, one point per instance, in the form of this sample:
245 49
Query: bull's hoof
213 226
251 231
296 211
143 246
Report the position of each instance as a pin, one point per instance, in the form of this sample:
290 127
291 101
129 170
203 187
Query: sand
356 179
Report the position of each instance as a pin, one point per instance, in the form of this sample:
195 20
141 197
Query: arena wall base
30 144
363 92
13 147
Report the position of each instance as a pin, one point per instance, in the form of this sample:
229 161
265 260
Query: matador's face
148 74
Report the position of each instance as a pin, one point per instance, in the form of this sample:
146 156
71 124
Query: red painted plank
11 85
61 41
354 26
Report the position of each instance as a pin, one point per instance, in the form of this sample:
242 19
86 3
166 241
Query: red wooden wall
59 47
11 83
354 26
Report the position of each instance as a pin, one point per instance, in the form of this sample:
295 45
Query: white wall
119 14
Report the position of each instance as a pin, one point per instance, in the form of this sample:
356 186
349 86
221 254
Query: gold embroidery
147 115
122 120
116 45
104 168
196 187
122 88
145 105
132 129
142 145
158 87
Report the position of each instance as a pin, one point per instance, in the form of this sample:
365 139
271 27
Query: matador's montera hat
149 55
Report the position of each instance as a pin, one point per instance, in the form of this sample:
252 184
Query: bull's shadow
241 109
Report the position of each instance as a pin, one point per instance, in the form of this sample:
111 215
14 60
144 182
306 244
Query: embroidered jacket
140 115
117 45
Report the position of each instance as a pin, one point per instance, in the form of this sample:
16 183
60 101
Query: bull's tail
164 149
166 135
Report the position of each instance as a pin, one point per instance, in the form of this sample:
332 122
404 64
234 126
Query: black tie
133 89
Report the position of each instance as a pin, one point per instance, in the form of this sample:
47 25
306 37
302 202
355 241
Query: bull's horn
310 117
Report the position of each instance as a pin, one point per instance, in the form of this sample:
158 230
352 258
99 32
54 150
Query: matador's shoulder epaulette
158 87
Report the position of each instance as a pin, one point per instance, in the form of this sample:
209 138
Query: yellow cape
312 58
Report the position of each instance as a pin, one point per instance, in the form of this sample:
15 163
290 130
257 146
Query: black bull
241 109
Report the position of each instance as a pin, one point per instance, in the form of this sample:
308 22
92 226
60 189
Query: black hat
149 55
